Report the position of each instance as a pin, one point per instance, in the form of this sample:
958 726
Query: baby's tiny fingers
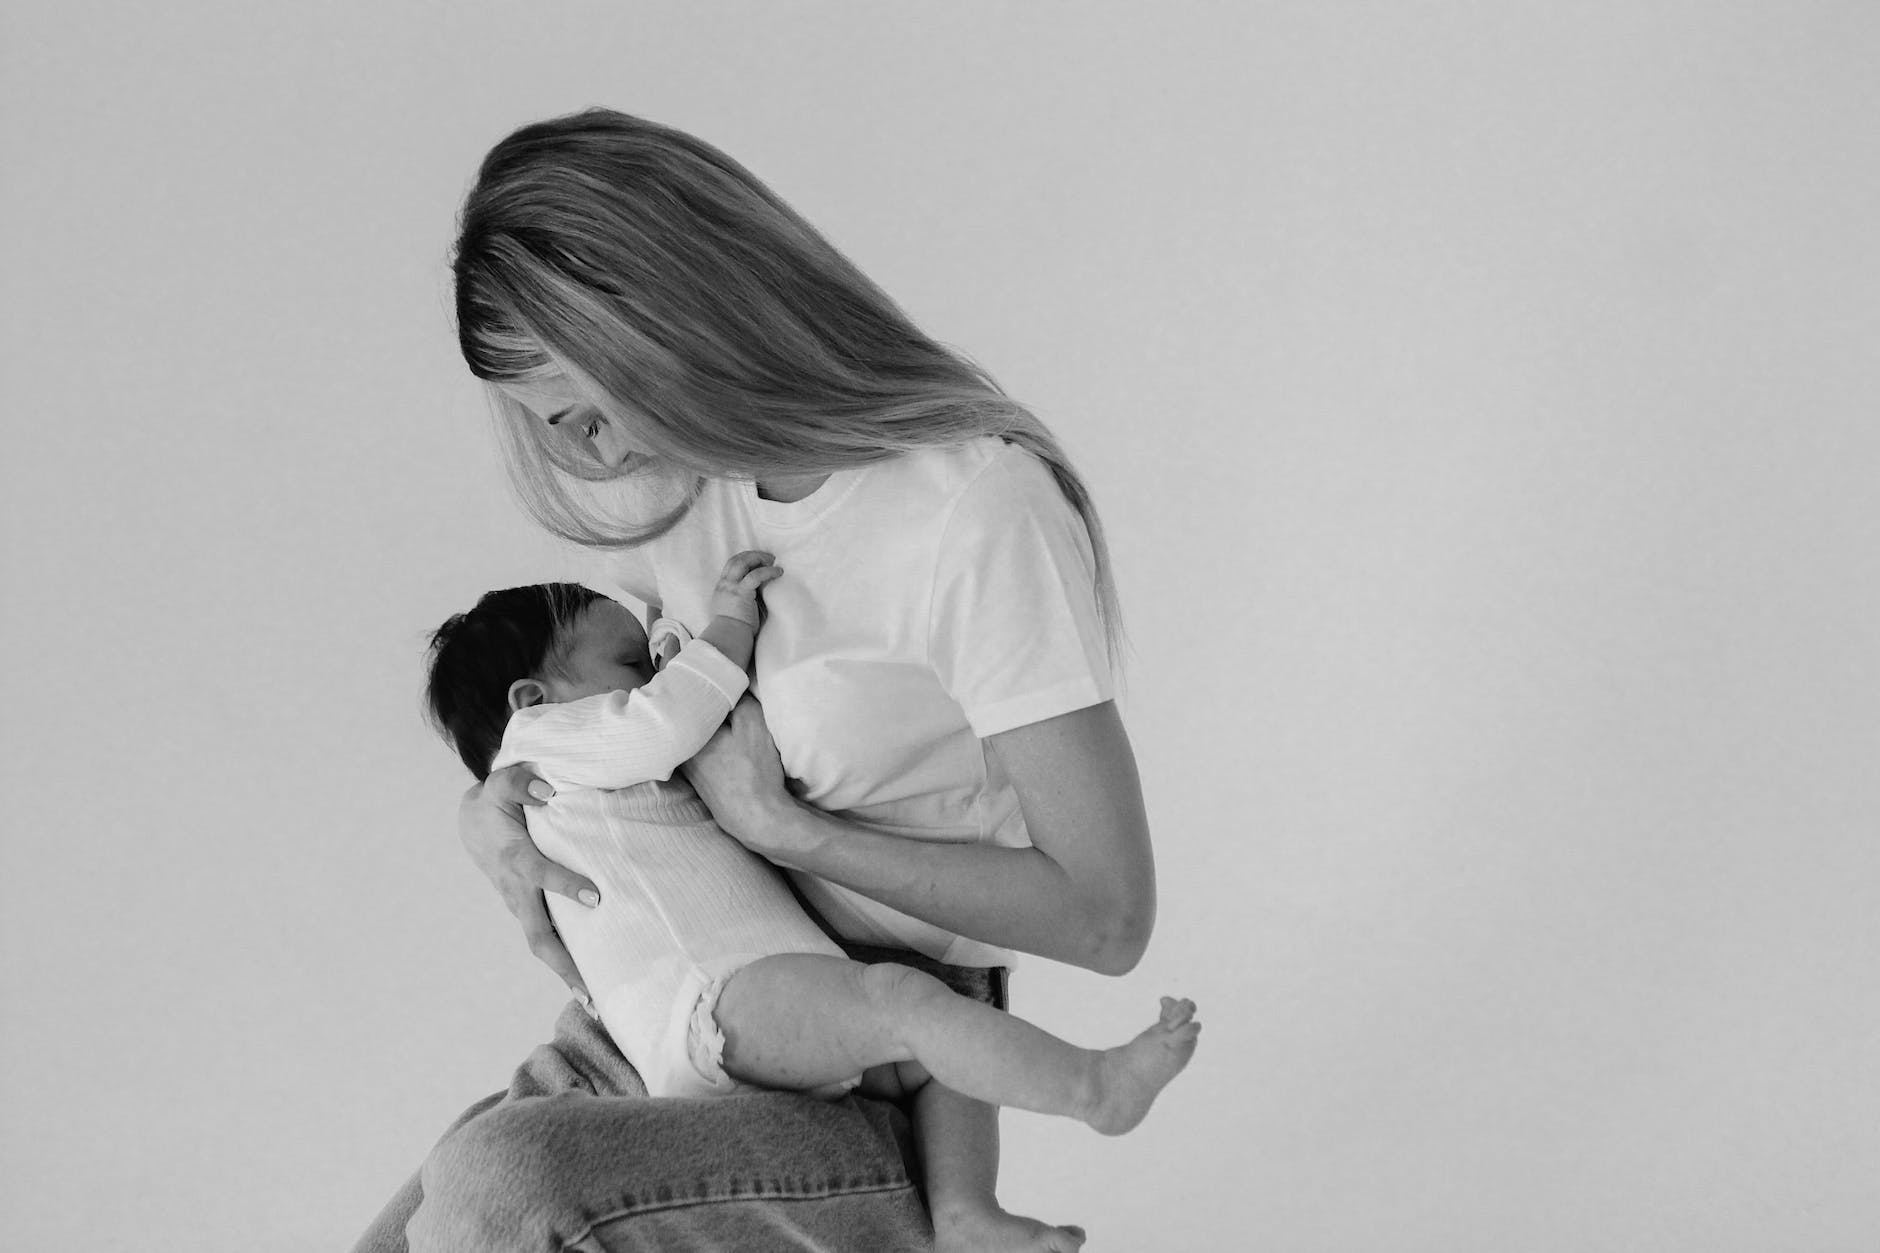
743 562
758 577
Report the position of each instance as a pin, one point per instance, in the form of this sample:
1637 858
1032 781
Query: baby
703 967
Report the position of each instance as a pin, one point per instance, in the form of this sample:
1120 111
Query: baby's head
542 644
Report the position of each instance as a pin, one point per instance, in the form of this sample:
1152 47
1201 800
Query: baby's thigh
804 1020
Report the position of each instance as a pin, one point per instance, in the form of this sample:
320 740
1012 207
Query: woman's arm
1084 893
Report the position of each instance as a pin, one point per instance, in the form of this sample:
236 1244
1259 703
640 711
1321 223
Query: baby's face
603 651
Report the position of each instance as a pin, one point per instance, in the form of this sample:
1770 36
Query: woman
656 325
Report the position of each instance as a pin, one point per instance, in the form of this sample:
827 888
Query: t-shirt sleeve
1014 633
618 739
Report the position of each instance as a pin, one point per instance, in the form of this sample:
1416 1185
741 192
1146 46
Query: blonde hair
711 322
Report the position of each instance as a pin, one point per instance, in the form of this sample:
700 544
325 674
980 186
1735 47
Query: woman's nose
610 448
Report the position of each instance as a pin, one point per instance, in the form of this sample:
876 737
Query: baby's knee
899 990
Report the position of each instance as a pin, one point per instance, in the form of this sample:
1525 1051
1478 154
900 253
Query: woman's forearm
1019 898
1083 893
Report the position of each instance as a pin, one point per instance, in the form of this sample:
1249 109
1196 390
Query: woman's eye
593 428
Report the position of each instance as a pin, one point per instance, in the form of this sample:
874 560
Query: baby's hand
736 593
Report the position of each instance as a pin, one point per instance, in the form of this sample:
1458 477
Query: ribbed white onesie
683 905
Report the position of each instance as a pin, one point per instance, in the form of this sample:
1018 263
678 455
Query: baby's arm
618 739
622 738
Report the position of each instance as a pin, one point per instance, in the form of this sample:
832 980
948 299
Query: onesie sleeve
618 739
1014 634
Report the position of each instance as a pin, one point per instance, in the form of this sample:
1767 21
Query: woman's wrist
783 830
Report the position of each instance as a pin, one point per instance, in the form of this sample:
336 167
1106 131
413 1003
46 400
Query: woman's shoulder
979 497
986 473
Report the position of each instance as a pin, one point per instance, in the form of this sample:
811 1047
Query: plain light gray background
1483 401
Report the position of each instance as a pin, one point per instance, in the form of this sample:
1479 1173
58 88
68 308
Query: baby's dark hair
475 656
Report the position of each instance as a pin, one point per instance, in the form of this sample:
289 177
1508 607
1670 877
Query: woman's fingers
498 841
747 721
753 734
494 834
739 774
524 866
539 930
517 785
562 881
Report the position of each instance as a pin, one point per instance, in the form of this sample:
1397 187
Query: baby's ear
526 692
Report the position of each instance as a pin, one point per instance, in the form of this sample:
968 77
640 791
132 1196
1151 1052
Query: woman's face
557 403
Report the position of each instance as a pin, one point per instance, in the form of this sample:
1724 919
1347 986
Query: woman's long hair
708 320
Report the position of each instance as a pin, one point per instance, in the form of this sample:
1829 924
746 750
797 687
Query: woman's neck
787 489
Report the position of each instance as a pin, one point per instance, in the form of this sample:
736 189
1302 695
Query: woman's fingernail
590 897
540 790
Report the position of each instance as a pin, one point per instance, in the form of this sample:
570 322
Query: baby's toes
1176 1012
1066 1239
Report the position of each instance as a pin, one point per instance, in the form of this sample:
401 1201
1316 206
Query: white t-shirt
926 602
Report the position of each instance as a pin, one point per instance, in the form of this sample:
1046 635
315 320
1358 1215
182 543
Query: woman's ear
526 692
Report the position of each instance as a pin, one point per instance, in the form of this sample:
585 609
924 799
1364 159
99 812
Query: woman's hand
490 823
739 776
1083 892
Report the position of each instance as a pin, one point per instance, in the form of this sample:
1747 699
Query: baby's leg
799 1020
959 1150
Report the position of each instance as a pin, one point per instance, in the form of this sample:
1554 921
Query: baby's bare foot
1129 1078
992 1230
